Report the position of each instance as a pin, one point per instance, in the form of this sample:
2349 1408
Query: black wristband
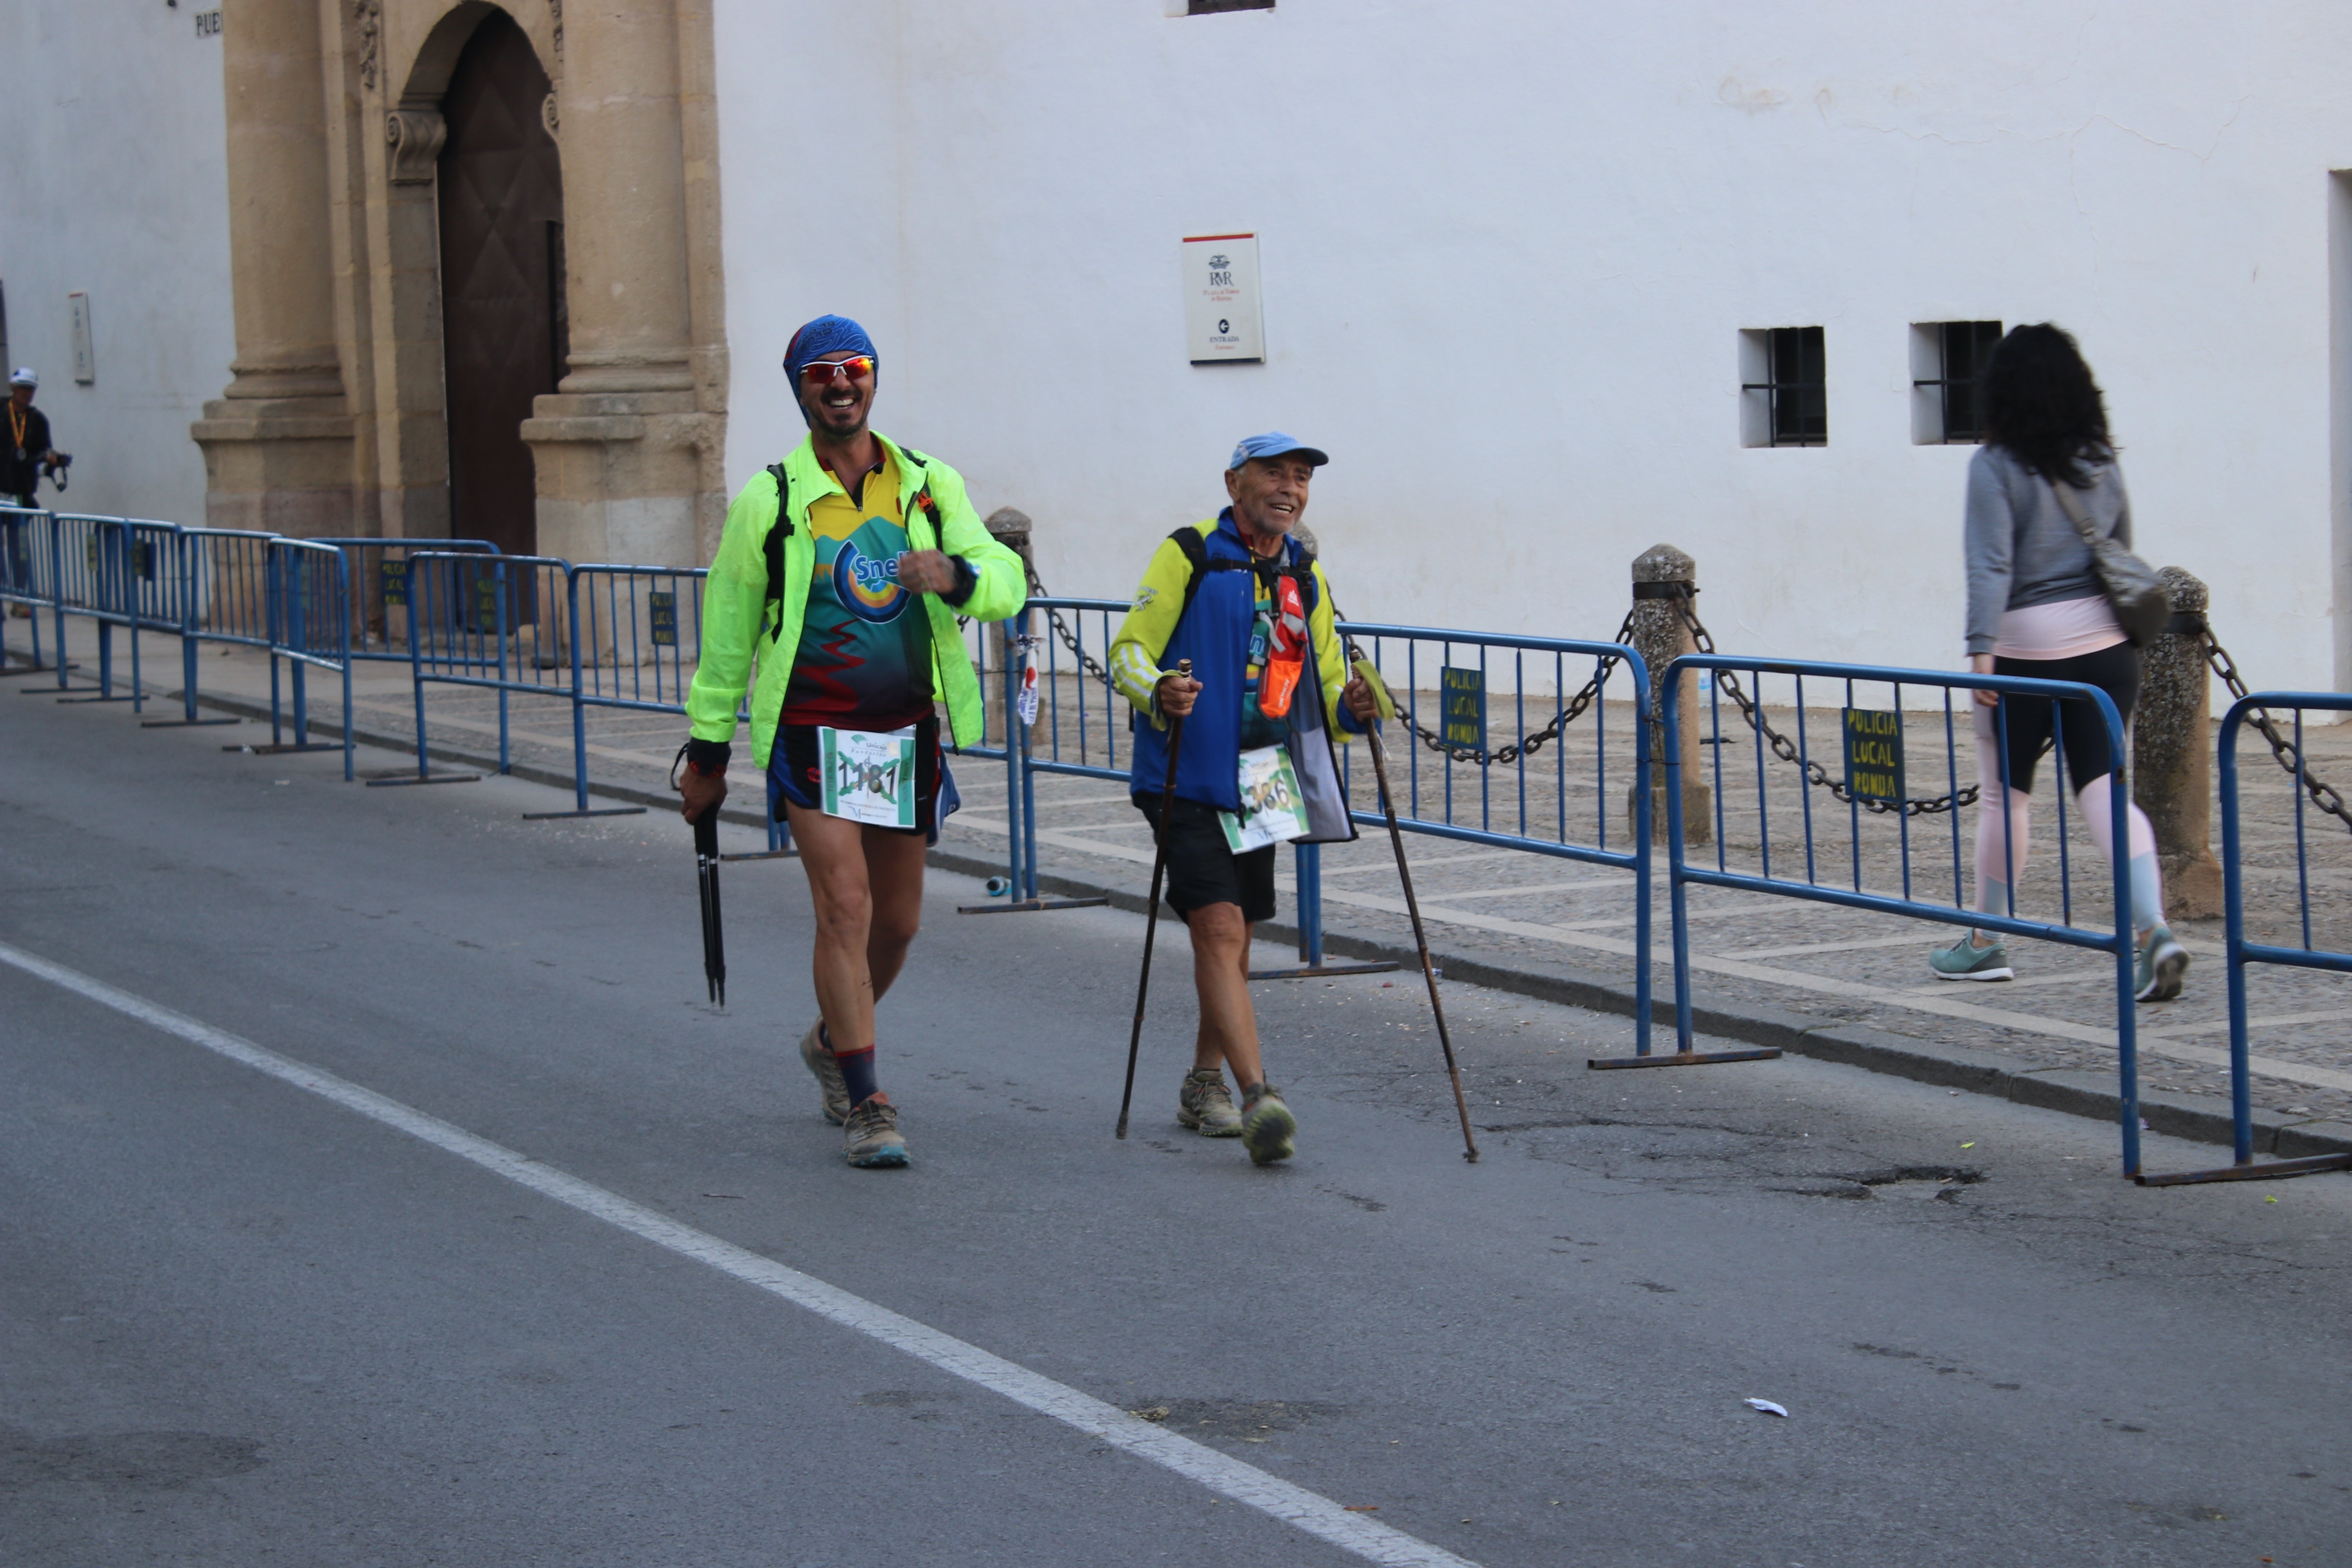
967 579
709 756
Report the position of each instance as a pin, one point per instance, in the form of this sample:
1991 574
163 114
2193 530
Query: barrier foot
591 811
290 746
2275 1170
1326 971
1030 906
188 723
765 854
1685 1059
101 698
394 781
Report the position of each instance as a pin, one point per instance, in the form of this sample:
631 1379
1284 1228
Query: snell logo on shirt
866 585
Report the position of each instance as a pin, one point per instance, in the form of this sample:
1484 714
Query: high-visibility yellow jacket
741 627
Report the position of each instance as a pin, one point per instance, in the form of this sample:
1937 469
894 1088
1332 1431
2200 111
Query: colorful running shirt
865 659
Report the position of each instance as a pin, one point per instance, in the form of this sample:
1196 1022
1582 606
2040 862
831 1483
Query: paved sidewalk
1508 905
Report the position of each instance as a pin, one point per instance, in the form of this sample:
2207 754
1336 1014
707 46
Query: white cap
23 376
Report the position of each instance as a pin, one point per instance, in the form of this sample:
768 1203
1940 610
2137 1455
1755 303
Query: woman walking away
2036 608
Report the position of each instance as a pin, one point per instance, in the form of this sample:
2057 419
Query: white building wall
1507 249
115 184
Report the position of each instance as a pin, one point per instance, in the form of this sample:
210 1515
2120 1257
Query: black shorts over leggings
1202 870
2083 735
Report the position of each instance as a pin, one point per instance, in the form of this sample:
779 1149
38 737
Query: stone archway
503 338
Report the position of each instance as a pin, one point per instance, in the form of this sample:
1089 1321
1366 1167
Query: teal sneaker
1206 1106
871 1137
1266 1125
2162 962
833 1093
1964 960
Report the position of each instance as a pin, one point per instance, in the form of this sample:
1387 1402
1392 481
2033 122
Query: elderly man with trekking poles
1233 664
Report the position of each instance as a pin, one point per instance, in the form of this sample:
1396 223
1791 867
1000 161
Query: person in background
28 447
2036 608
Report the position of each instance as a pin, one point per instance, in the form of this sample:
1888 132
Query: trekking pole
706 871
1152 915
1412 905
706 883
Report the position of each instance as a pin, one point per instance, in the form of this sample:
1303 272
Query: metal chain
1569 712
2323 795
1786 749
1086 661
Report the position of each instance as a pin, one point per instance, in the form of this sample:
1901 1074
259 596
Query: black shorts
792 773
2081 732
1203 871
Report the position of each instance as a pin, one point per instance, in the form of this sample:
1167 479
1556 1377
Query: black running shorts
1203 871
792 773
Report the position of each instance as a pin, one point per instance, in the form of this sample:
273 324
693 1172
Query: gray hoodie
2017 544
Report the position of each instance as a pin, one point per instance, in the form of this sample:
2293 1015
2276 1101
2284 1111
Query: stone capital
413 138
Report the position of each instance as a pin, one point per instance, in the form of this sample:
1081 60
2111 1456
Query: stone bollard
2172 754
1660 637
1011 528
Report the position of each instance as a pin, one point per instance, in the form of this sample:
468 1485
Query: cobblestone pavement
1788 953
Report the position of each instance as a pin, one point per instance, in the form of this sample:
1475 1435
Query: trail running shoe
2162 962
1205 1105
1964 960
872 1137
822 1062
1266 1125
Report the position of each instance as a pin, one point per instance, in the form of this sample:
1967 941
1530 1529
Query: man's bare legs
867 885
1221 954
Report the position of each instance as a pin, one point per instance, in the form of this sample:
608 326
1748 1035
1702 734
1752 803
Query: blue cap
1274 444
826 335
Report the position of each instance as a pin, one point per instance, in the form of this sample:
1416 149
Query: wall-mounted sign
85 361
1462 707
1221 314
1873 754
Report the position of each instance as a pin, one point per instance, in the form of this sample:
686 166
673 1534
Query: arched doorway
503 315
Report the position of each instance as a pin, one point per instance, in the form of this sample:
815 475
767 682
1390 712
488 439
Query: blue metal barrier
636 636
311 629
92 572
2241 949
1530 672
1682 873
226 596
27 578
466 612
379 573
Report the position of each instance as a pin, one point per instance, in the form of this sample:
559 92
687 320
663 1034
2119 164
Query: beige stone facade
334 420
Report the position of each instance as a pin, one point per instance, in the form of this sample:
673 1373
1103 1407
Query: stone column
618 443
2172 754
279 441
1660 637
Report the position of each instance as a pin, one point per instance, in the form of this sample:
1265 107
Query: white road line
1294 1505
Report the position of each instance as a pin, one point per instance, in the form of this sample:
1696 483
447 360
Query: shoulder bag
2133 590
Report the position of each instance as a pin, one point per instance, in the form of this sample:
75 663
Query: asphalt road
243 1321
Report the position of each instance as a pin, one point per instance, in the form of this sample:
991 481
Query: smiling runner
852 557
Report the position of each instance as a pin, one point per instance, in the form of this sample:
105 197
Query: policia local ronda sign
1873 754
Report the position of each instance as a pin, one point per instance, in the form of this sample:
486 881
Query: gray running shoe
1266 1125
873 1134
1205 1106
827 1068
1964 960
2162 962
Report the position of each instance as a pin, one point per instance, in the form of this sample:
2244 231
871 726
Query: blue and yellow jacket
1213 632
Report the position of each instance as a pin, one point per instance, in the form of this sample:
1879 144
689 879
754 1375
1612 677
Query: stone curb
1853 1044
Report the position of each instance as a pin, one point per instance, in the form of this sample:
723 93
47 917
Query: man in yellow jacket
1246 604
841 574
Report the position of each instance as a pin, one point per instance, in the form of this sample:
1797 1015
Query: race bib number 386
868 776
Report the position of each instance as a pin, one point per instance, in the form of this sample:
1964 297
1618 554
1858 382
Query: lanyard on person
17 424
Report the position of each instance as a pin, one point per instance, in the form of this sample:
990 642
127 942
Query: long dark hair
2041 403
